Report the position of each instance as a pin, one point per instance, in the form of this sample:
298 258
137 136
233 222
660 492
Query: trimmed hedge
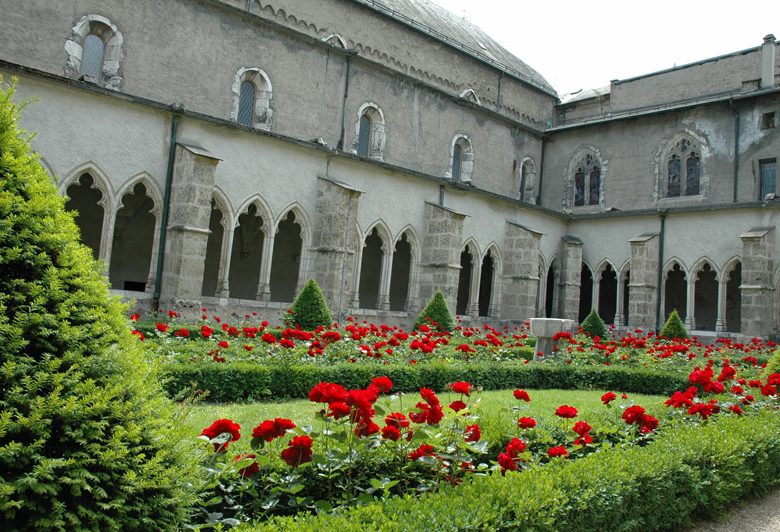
243 381
690 472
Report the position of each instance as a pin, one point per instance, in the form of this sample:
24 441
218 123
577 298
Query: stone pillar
757 291
643 285
440 261
223 280
570 278
690 302
264 280
192 188
335 241
386 277
720 320
520 273
619 302
472 308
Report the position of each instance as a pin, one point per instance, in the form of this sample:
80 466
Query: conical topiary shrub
309 310
674 327
436 312
85 438
593 325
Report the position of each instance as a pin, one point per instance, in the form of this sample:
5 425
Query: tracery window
587 181
683 177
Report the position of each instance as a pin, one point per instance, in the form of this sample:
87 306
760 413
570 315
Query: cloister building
219 153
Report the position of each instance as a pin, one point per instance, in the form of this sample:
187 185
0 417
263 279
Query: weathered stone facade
388 149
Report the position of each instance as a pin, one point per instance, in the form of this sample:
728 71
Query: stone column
472 309
335 242
643 285
720 320
440 260
619 302
223 280
757 291
520 273
690 303
267 256
570 278
188 227
386 277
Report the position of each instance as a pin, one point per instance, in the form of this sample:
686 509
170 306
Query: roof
429 18
584 94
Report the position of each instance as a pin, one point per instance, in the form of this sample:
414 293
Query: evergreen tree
436 312
593 325
309 310
85 437
674 327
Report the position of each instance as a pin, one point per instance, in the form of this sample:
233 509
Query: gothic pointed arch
679 165
731 294
489 281
586 177
262 209
468 94
552 280
607 279
336 40
705 298
251 223
675 293
406 254
586 291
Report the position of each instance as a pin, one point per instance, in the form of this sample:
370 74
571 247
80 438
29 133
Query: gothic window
587 181
252 93
369 138
768 173
461 159
94 52
246 103
683 170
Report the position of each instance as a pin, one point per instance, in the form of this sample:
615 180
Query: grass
495 409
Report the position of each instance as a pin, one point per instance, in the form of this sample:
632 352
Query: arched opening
734 299
486 284
551 291
246 103
85 200
246 256
608 295
92 57
399 282
131 251
626 296
213 251
586 292
464 282
371 271
286 261
676 292
705 305
364 135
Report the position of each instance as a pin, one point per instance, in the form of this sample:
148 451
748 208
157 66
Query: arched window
683 169
252 93
370 132
587 181
461 159
94 52
527 182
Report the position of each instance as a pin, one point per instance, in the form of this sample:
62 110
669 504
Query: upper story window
94 52
252 93
370 132
768 173
527 187
683 169
461 159
587 181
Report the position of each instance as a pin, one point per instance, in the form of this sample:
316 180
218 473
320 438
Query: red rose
522 395
270 430
736 409
526 422
632 414
224 344
422 450
162 327
326 392
472 433
383 383
222 426
206 331
338 410
582 428
429 396
560 450
298 451
583 440
457 406
507 463
397 419
515 447
461 387
249 470
608 397
566 411
391 432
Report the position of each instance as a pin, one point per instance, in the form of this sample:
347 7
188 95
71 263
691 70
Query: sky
582 45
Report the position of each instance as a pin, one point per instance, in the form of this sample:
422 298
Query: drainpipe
340 145
166 206
736 148
662 214
541 175
498 96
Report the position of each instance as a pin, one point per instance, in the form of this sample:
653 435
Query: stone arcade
219 153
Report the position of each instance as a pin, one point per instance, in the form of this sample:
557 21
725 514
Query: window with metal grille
768 173
683 170
92 57
364 136
457 156
246 103
579 188
595 186
692 168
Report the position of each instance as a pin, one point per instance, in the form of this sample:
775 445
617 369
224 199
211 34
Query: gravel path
762 515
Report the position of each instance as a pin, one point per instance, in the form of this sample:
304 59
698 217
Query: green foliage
674 327
773 366
436 312
593 325
309 310
244 381
85 440
689 472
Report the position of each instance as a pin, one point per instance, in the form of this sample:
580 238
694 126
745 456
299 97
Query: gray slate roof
427 17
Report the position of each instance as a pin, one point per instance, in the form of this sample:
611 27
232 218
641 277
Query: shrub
309 310
593 325
436 311
674 327
84 428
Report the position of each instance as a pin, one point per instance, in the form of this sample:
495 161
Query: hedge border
690 472
251 381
